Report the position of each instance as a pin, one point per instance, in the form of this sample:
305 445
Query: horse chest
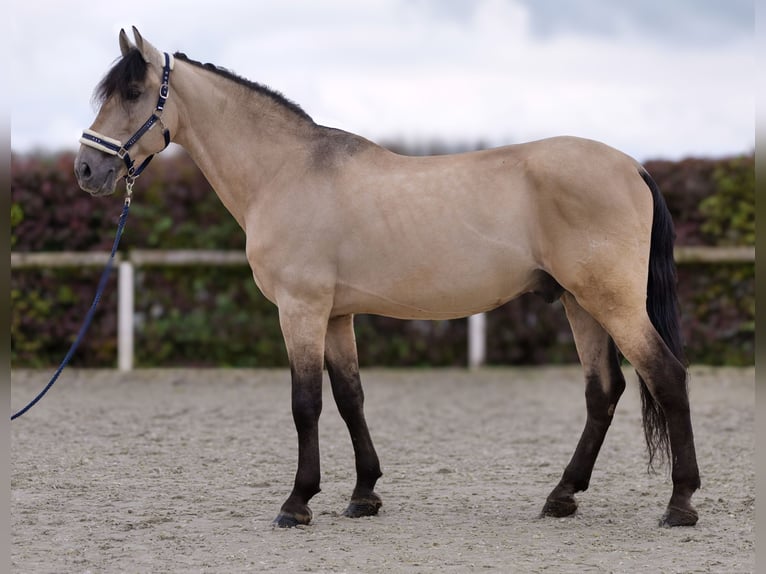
262 275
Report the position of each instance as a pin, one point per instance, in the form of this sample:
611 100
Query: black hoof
558 508
676 516
291 520
359 508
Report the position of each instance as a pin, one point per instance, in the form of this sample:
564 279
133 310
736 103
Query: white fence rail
477 326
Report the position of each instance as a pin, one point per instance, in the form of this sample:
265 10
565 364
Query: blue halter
115 147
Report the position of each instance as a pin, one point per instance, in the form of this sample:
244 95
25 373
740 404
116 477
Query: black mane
131 70
256 87
126 72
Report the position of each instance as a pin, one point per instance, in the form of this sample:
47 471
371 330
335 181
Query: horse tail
663 310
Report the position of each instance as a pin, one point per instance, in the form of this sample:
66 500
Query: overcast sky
655 78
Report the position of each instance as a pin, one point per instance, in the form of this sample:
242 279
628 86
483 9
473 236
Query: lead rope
92 310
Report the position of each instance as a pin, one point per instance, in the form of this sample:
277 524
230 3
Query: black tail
662 307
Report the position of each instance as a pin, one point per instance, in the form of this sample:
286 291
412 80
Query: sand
183 471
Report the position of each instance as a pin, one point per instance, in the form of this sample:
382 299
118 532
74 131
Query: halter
112 146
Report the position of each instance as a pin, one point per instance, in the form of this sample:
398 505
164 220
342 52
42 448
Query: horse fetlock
686 480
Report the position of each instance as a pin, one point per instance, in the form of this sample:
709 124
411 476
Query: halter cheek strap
112 146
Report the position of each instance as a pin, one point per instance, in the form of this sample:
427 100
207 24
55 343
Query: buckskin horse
337 225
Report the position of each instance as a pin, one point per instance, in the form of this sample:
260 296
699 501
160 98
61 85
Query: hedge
215 316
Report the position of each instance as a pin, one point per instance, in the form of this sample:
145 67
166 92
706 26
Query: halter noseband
112 146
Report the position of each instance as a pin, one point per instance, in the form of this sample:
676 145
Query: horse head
121 140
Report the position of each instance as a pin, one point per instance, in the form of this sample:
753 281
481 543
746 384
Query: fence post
477 340
125 317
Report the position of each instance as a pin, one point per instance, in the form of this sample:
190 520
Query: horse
337 225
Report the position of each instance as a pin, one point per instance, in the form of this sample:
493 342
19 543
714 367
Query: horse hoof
677 516
359 508
559 508
291 520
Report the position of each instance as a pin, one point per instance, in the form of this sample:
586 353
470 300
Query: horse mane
131 70
274 95
126 72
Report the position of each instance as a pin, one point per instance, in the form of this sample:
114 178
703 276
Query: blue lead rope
89 316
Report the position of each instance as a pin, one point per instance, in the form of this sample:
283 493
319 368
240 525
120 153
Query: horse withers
337 225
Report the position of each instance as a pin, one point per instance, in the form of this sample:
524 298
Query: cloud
653 78
490 77
680 22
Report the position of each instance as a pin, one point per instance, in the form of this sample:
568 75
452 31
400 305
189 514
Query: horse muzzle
96 172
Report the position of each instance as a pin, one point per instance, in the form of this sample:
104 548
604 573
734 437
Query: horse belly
437 247
458 286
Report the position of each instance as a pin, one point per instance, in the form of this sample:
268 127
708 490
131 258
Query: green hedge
215 316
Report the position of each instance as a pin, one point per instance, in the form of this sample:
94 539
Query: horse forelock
126 72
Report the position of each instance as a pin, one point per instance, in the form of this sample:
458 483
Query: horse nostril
85 172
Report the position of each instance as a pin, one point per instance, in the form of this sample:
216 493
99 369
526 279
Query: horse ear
151 54
125 44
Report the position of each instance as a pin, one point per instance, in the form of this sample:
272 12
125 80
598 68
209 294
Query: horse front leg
343 367
303 328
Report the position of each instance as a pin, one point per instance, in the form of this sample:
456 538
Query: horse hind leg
604 386
343 368
665 400
666 413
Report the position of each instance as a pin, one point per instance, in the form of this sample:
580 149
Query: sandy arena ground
183 471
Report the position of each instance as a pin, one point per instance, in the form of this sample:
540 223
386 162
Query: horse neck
240 139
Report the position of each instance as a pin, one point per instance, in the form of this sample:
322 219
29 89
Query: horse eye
133 93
